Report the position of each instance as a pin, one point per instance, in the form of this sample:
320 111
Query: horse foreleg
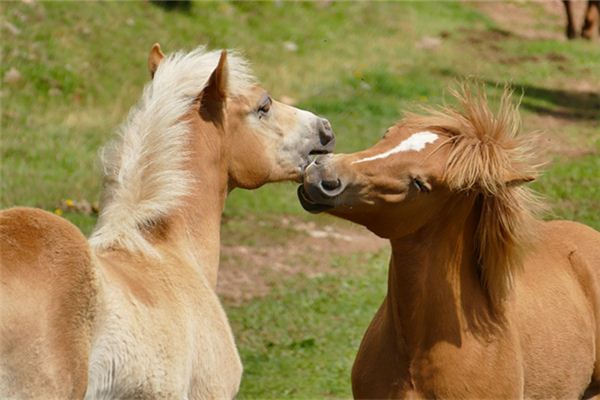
570 23
592 16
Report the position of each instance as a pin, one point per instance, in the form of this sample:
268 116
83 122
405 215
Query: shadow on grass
558 103
174 5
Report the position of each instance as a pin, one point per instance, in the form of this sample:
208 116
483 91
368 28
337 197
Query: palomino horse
133 312
484 300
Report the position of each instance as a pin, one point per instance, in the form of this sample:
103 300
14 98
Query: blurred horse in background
591 19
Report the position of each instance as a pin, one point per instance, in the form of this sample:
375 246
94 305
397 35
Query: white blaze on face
416 142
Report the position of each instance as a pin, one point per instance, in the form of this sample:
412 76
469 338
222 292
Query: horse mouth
307 160
310 205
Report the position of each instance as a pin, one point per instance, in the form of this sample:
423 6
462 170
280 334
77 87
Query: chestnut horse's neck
434 287
194 229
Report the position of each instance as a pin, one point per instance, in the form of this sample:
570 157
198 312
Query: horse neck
434 289
195 228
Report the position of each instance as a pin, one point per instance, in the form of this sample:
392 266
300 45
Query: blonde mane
144 174
490 158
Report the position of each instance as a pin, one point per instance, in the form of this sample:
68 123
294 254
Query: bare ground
526 21
298 248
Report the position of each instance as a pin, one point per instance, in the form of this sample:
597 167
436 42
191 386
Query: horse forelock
144 167
485 148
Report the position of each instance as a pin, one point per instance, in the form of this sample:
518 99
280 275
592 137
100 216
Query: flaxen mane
144 175
489 157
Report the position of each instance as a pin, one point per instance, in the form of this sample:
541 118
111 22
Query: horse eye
264 107
421 186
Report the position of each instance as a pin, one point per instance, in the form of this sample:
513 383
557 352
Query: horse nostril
325 132
330 186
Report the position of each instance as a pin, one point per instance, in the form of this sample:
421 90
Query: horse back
583 246
580 245
559 308
47 305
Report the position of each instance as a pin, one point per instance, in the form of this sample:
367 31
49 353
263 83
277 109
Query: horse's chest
155 352
384 368
128 361
468 370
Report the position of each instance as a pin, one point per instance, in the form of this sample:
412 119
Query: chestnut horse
132 313
484 300
590 20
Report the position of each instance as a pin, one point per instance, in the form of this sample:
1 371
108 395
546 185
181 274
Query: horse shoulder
47 305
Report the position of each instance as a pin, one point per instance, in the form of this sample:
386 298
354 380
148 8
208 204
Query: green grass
358 65
300 341
83 65
574 189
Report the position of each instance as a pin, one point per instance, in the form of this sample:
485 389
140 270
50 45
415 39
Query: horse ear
516 179
217 83
214 94
154 59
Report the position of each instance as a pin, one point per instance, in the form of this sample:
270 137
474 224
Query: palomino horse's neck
434 287
194 229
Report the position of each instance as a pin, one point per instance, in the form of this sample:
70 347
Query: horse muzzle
321 186
325 141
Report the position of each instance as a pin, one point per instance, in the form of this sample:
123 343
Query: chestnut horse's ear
214 94
154 59
515 179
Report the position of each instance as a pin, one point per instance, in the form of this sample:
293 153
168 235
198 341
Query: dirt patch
555 58
555 138
536 20
252 269
485 41
533 19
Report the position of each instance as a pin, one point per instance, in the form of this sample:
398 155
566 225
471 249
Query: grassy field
80 66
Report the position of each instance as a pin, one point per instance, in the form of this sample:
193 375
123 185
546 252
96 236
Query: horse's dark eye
421 186
264 107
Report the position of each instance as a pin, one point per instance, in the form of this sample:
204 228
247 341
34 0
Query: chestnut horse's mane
489 157
144 174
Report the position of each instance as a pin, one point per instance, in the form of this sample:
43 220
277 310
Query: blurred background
299 289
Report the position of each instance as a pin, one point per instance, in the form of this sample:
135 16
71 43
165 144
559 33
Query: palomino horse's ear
514 179
217 83
154 59
214 94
